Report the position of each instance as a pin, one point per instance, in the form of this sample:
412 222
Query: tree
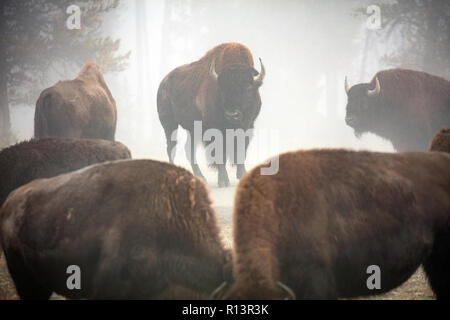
35 43
420 32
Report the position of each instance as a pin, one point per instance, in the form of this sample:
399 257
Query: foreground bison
137 229
404 106
441 141
327 215
221 91
45 158
79 108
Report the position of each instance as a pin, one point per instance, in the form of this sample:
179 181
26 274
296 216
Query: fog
308 47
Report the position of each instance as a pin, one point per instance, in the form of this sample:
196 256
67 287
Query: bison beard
79 108
138 229
404 106
329 214
221 91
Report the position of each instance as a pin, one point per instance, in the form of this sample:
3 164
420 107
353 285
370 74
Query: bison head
360 105
237 92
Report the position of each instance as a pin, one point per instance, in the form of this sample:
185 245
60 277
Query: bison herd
144 229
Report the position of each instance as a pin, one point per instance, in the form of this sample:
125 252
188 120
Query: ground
415 288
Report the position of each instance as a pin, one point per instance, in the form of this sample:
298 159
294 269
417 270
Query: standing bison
136 229
79 108
441 141
314 229
45 158
221 91
404 106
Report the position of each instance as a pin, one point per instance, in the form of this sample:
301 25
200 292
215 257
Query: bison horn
288 290
212 70
375 91
218 291
260 77
346 85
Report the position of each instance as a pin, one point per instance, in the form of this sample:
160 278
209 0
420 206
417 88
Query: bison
404 106
78 108
316 228
136 229
220 91
48 157
441 141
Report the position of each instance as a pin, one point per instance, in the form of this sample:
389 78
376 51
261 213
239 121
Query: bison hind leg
437 267
28 288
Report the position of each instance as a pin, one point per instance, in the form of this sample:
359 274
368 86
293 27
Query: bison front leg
240 154
191 151
240 171
223 180
170 127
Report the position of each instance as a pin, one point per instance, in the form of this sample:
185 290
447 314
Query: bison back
136 229
48 157
327 215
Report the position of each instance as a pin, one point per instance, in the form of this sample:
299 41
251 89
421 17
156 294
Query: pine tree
420 32
36 42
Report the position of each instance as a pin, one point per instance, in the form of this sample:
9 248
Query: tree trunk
430 61
5 122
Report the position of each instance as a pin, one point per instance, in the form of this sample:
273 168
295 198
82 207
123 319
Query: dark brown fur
410 108
189 93
441 141
78 108
329 214
138 229
45 158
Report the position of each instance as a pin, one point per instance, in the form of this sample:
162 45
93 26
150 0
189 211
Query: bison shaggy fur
327 215
45 158
220 91
406 107
79 108
441 141
137 229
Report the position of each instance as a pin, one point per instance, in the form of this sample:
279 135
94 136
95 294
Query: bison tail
40 120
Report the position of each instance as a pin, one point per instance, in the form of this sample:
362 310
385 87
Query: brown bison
220 91
136 229
441 141
45 158
317 227
404 106
78 108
